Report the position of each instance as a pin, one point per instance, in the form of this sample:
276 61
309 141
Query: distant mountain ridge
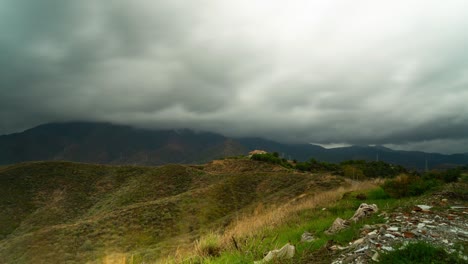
118 144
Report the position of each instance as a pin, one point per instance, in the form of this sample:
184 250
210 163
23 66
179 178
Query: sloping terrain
63 212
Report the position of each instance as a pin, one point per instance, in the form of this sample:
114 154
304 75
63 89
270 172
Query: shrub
406 185
361 196
450 175
378 194
272 158
208 246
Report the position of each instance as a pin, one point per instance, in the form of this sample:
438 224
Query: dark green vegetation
116 144
406 185
420 252
62 212
354 169
400 182
272 158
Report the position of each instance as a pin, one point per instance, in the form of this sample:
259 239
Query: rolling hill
63 212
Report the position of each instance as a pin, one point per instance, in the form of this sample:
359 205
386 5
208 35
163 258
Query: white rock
375 257
393 228
362 249
389 235
387 248
424 207
358 241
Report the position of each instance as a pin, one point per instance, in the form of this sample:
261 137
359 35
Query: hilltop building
253 152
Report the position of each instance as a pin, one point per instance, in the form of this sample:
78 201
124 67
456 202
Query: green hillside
63 212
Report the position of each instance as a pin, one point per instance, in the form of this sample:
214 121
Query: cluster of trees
416 184
273 158
361 169
355 169
450 175
317 166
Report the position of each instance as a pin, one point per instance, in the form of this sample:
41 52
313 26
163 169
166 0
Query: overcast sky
324 71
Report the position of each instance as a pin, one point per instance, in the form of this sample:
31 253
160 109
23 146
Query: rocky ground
440 219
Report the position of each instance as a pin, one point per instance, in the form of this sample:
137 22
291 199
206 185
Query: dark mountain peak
99 142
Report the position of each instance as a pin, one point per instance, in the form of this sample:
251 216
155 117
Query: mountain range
107 143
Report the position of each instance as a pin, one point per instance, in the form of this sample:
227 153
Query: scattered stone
459 207
441 228
376 257
424 207
307 237
358 241
337 247
362 249
382 230
338 224
286 252
364 210
387 248
408 235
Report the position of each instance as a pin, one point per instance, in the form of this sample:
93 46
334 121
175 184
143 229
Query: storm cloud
352 72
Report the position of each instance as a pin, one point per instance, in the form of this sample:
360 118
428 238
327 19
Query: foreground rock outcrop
442 223
363 211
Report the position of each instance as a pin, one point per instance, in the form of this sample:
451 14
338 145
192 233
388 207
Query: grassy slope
62 212
258 233
287 225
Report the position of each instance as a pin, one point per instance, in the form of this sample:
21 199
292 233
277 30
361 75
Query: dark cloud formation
335 71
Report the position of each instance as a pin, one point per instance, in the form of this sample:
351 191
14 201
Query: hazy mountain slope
63 212
293 151
114 144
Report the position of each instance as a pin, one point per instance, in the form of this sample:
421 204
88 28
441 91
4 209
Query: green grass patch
315 221
420 252
378 194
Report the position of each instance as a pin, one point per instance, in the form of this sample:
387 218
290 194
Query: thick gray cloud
352 72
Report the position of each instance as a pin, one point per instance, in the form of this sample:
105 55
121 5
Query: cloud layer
321 71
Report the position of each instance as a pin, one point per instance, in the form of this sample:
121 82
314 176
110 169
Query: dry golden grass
267 218
270 218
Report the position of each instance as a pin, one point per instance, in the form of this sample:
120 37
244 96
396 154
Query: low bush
406 185
208 246
272 158
378 194
450 175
